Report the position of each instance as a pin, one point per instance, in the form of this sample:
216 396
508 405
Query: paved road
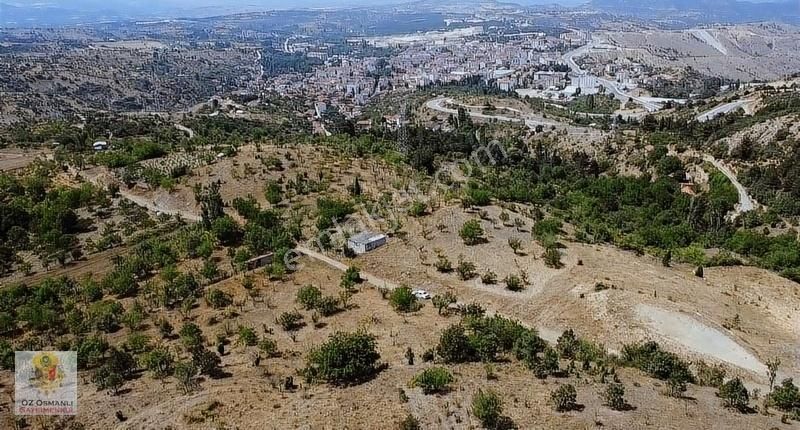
610 86
722 109
746 203
438 104
186 130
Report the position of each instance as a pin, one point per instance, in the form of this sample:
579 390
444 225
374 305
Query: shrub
268 346
567 344
786 396
344 359
191 335
454 345
442 301
218 299
546 230
309 296
564 398
327 306
443 265
417 209
247 336
403 300
552 257
660 364
465 269
710 375
409 423
207 362
433 380
105 315
290 321
734 394
488 408
513 283
159 361
489 278
471 232
614 397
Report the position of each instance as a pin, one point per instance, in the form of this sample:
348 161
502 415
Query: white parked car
421 294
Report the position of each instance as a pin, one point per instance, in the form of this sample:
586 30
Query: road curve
438 104
722 109
746 203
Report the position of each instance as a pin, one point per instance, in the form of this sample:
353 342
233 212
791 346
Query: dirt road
746 203
372 279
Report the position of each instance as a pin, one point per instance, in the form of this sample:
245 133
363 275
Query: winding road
439 104
746 203
722 109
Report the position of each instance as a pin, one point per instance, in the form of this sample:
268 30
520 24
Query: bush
433 380
513 283
290 321
710 375
552 257
488 408
489 278
417 209
403 300
443 265
786 396
345 359
268 347
218 299
327 306
567 344
454 345
442 301
105 315
409 423
247 336
546 230
471 232
191 335
465 269
660 364
309 296
734 394
614 397
564 398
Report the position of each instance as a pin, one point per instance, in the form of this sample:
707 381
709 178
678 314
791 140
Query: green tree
454 345
614 397
344 359
471 232
290 321
308 296
403 300
734 394
191 335
466 269
218 299
564 398
442 301
186 373
159 362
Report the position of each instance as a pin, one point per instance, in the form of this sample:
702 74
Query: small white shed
366 241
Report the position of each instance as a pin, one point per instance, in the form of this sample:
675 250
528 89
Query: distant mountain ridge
704 11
